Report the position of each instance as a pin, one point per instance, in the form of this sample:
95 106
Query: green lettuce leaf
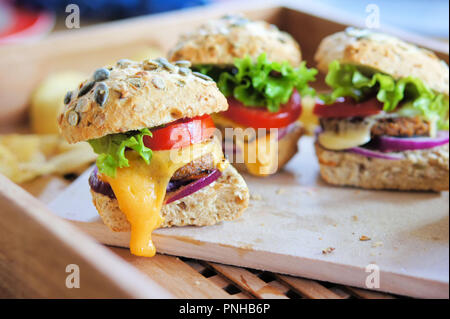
261 83
111 150
348 80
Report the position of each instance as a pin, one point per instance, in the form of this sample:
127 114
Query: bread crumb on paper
255 196
364 238
355 218
328 250
377 244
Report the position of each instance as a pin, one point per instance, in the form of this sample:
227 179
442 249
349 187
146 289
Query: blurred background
428 18
21 19
33 95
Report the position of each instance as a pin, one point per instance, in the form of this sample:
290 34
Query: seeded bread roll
134 95
234 36
420 170
383 53
224 199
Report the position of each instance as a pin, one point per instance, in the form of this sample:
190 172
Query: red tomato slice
347 107
181 133
261 117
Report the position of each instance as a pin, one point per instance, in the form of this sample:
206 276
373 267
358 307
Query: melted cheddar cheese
260 156
309 120
222 121
140 189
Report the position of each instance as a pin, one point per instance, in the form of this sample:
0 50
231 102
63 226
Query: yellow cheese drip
309 120
140 189
220 120
260 156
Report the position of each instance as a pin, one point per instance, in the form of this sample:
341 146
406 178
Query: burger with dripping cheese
259 69
385 123
159 163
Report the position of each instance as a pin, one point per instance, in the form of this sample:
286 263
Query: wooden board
294 216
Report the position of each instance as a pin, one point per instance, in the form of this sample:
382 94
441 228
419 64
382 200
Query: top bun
234 36
383 53
135 95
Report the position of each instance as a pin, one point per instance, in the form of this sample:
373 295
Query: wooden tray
41 245
293 217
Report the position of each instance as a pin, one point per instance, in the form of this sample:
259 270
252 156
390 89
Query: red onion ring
194 186
99 186
179 190
398 144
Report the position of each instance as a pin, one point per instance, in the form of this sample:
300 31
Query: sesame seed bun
135 95
234 36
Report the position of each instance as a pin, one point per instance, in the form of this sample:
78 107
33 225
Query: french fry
25 157
81 154
8 162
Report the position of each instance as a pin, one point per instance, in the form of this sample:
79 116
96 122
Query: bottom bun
420 170
224 199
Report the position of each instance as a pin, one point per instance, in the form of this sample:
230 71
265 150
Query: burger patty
391 126
196 167
401 126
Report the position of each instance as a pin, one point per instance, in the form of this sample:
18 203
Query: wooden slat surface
343 294
368 294
249 282
217 279
309 288
175 275
279 286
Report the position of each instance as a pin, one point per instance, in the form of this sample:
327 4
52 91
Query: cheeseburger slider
159 164
385 123
259 69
